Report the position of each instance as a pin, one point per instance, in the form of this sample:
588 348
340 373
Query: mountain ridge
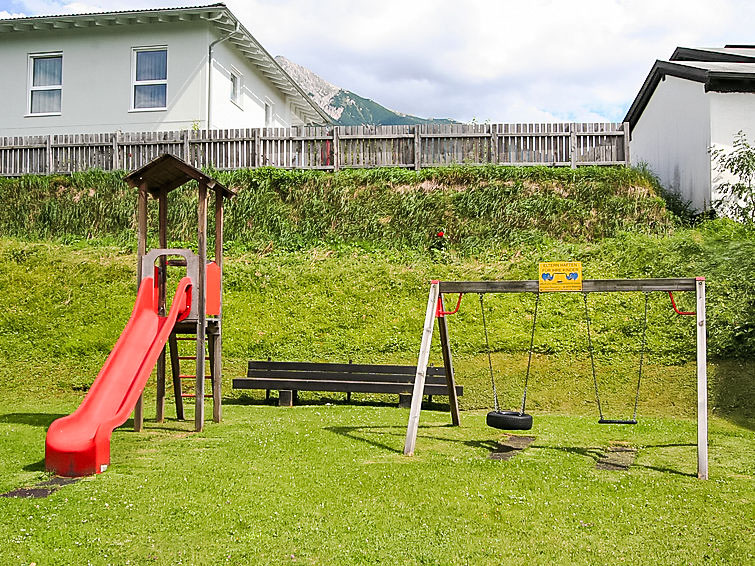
346 108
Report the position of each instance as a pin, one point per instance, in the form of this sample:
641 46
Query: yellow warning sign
560 276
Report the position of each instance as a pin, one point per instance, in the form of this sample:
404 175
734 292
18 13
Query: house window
268 114
236 85
45 83
149 75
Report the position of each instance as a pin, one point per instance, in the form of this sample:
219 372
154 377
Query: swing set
564 282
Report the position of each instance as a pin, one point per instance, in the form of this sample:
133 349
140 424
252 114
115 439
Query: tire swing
509 420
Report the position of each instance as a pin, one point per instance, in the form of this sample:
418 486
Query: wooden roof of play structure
168 172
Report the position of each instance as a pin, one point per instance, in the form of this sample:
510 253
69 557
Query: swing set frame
436 310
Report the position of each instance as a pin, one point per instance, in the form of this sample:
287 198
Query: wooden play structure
79 444
565 281
204 322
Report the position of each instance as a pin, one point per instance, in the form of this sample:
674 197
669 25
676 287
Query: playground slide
79 444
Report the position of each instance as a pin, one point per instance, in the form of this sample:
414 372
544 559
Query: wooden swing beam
436 309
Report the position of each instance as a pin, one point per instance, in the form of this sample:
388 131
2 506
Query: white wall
96 95
730 112
256 91
672 137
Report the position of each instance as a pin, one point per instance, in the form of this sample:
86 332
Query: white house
145 70
696 101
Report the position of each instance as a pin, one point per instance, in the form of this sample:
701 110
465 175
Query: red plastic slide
79 444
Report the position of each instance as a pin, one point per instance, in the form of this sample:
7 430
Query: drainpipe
209 71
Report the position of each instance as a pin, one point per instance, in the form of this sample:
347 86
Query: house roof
168 172
729 69
218 16
732 53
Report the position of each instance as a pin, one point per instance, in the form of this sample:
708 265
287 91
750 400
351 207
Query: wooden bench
290 377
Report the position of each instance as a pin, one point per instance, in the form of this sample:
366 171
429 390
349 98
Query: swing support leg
445 346
419 379
702 382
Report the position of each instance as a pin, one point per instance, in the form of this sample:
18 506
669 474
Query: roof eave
710 56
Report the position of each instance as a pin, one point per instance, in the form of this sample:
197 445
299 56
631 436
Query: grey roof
729 69
218 15
733 53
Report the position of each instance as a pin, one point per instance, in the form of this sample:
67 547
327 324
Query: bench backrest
346 372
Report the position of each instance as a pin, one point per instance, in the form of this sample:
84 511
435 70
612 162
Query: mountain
345 107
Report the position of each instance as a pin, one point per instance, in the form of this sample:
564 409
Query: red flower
440 234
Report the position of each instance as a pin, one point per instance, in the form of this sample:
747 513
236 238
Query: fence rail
326 148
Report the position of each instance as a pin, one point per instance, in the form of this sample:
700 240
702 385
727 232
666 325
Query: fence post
625 127
48 154
417 148
494 143
187 148
336 152
257 152
573 144
116 156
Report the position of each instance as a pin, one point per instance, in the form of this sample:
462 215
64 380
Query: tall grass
474 206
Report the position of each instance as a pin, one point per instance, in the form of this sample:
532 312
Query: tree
737 198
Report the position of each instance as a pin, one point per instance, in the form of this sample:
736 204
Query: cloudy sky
496 60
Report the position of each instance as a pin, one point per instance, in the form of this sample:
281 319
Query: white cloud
499 60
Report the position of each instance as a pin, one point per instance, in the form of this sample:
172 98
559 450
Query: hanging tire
509 420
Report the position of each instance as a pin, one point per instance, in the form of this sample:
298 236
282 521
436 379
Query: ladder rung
191 358
193 377
192 395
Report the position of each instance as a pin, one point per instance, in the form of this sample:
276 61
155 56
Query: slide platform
79 444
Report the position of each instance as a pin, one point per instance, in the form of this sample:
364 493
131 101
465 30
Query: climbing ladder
183 363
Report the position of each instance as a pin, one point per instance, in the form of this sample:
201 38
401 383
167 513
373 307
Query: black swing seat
509 420
617 421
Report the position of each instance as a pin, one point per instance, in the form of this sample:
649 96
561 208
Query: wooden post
256 153
336 151
627 138
702 382
141 249
494 143
419 379
417 148
573 145
201 306
163 267
187 148
116 156
217 382
445 346
48 154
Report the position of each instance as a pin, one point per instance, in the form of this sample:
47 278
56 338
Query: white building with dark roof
145 70
696 101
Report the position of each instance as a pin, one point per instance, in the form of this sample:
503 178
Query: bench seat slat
340 385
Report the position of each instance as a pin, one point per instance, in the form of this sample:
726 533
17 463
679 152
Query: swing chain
642 356
490 360
592 357
529 358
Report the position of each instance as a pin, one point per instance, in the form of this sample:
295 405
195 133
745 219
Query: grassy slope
326 483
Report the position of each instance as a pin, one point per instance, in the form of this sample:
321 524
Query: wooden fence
327 148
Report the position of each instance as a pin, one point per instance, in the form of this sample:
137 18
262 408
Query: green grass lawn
328 484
